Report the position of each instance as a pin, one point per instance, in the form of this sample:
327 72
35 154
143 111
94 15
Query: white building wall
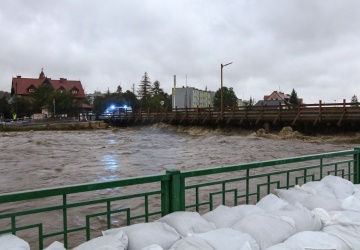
191 98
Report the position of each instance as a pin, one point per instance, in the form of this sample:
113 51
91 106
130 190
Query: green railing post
176 190
357 166
165 198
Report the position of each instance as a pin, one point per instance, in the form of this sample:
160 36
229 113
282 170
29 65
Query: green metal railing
76 213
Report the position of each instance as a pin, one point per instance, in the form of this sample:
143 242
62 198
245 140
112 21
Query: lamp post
221 90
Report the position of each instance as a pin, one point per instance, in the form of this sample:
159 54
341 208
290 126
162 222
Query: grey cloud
311 46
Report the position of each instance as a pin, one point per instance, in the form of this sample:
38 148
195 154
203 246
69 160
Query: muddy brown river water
38 159
42 159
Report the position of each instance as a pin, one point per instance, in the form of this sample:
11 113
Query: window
74 91
31 90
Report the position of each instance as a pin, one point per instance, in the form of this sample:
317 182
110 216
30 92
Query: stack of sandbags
329 193
317 215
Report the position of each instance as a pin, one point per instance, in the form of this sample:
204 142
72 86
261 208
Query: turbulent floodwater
31 160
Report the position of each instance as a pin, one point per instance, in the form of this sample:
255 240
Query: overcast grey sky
312 46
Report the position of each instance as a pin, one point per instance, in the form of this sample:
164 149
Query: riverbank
15 127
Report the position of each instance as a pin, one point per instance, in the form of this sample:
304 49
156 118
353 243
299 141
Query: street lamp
222 94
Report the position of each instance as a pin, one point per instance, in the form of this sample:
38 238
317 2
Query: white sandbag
343 218
222 216
191 243
320 188
107 247
118 240
228 239
293 195
322 214
309 200
12 242
357 193
153 247
349 234
304 219
352 216
283 246
145 234
187 223
351 203
308 240
266 229
319 201
342 188
271 202
56 245
243 210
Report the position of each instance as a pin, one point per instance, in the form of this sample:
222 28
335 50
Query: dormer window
74 91
61 90
31 90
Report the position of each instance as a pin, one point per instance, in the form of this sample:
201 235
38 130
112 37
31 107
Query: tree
119 89
41 97
7 95
354 101
130 99
156 90
229 98
5 108
145 90
101 103
251 102
65 103
293 97
21 106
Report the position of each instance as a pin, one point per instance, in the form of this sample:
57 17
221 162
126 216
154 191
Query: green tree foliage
354 101
5 108
130 99
293 97
65 103
119 89
101 103
41 97
7 95
229 98
156 90
158 97
251 102
22 107
145 90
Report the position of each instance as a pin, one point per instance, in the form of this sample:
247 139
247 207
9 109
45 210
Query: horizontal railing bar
78 188
198 204
208 171
263 175
62 232
38 225
144 215
77 204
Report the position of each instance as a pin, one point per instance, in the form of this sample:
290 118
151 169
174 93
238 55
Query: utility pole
221 90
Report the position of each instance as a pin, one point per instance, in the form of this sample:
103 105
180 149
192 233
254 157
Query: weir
73 214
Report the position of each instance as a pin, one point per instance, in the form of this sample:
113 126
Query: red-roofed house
25 86
277 96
